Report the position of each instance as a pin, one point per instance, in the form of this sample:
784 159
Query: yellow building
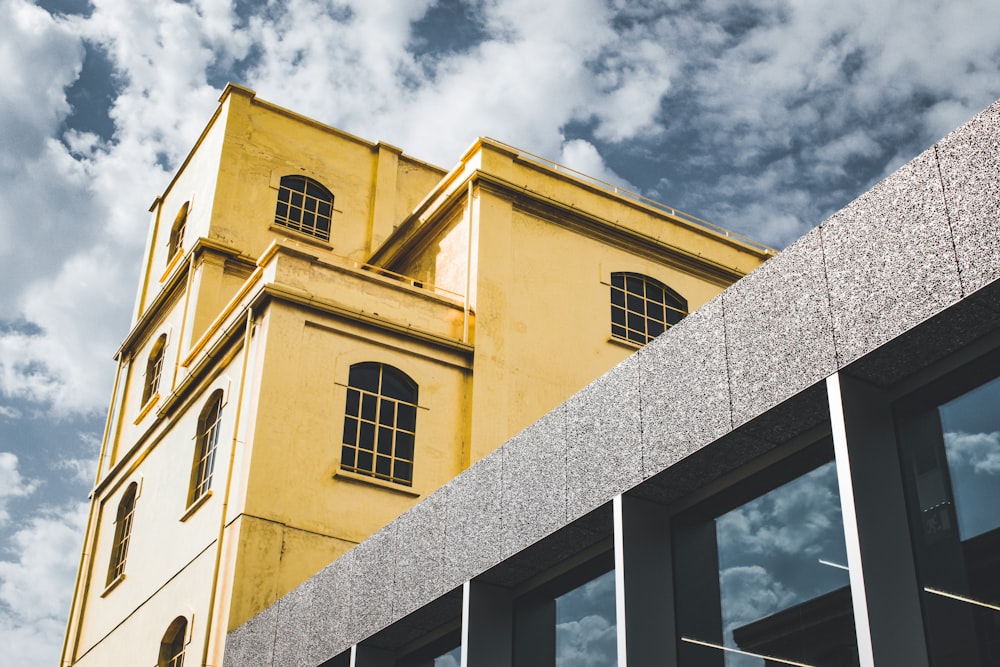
327 330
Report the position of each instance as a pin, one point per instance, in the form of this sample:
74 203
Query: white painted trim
852 539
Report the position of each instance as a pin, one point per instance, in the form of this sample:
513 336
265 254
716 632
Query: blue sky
764 117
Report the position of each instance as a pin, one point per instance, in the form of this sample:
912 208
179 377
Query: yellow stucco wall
501 313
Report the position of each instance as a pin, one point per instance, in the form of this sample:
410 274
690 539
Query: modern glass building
805 471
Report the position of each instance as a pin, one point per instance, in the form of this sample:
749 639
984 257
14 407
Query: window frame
175 242
206 448
293 216
154 370
637 318
374 428
124 519
173 643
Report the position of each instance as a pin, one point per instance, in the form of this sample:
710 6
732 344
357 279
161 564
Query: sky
763 117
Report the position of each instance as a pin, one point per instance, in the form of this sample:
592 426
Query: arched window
172 645
123 530
206 444
305 206
643 308
379 423
176 242
154 368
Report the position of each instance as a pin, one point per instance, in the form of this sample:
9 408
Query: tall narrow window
379 423
176 242
305 206
123 531
206 445
950 446
154 368
643 308
172 644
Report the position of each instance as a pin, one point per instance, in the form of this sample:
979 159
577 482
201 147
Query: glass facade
762 575
951 461
585 625
755 568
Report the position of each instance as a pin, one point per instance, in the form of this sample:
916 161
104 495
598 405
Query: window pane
395 386
783 587
404 445
586 634
635 304
387 413
353 401
383 466
366 440
407 417
347 457
296 200
617 297
655 312
368 406
450 659
364 460
618 316
364 376
385 441
404 470
350 431
952 461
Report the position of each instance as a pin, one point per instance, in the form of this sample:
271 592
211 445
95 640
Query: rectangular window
761 571
570 621
950 451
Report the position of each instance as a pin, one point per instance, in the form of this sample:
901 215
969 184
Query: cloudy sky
764 117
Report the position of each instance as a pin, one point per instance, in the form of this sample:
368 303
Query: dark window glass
350 431
388 397
951 461
404 445
385 441
766 582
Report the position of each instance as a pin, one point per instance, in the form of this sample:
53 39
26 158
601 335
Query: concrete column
884 584
487 626
644 591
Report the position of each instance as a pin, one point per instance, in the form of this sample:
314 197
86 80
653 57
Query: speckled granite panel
420 534
969 159
253 642
890 261
314 619
778 329
534 482
947 332
473 524
684 388
371 583
603 452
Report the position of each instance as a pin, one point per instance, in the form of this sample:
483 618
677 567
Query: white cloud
36 584
980 451
801 518
9 413
587 642
12 484
750 593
